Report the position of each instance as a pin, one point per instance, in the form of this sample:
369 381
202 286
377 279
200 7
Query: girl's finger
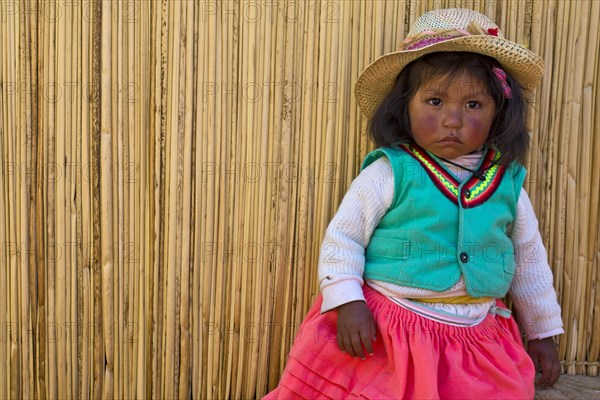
543 379
553 378
348 345
373 326
357 345
340 341
545 374
366 339
555 373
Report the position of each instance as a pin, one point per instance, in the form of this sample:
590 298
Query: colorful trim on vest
474 191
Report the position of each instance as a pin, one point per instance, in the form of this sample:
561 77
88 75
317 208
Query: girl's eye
473 104
434 101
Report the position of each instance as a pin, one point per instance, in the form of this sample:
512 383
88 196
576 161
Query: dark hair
390 124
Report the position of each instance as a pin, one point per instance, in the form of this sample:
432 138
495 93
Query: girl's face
451 118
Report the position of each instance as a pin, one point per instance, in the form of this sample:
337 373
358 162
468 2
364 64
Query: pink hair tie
501 75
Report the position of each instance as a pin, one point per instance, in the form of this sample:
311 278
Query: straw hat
452 29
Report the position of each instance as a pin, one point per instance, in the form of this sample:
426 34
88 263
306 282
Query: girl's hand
356 327
543 352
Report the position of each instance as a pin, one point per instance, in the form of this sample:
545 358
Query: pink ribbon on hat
501 75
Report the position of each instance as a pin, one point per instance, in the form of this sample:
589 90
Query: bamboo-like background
168 169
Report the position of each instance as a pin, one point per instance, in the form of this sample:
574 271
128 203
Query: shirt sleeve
532 290
341 259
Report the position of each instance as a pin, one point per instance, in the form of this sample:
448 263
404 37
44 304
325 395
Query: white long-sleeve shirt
341 262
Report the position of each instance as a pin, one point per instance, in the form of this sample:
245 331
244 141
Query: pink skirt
414 358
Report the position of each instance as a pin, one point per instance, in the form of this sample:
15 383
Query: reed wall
168 169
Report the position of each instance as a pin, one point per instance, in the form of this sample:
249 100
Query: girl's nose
452 118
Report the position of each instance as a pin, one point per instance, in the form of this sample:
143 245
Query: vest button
467 193
464 257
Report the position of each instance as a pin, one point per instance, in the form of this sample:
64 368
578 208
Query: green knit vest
438 228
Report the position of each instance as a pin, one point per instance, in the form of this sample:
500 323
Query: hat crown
457 19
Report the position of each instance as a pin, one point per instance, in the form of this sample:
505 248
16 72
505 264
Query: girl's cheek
427 124
480 126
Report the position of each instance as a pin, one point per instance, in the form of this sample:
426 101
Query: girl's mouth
450 139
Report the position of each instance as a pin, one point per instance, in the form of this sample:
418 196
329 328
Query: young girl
434 230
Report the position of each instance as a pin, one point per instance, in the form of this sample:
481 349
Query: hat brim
378 79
